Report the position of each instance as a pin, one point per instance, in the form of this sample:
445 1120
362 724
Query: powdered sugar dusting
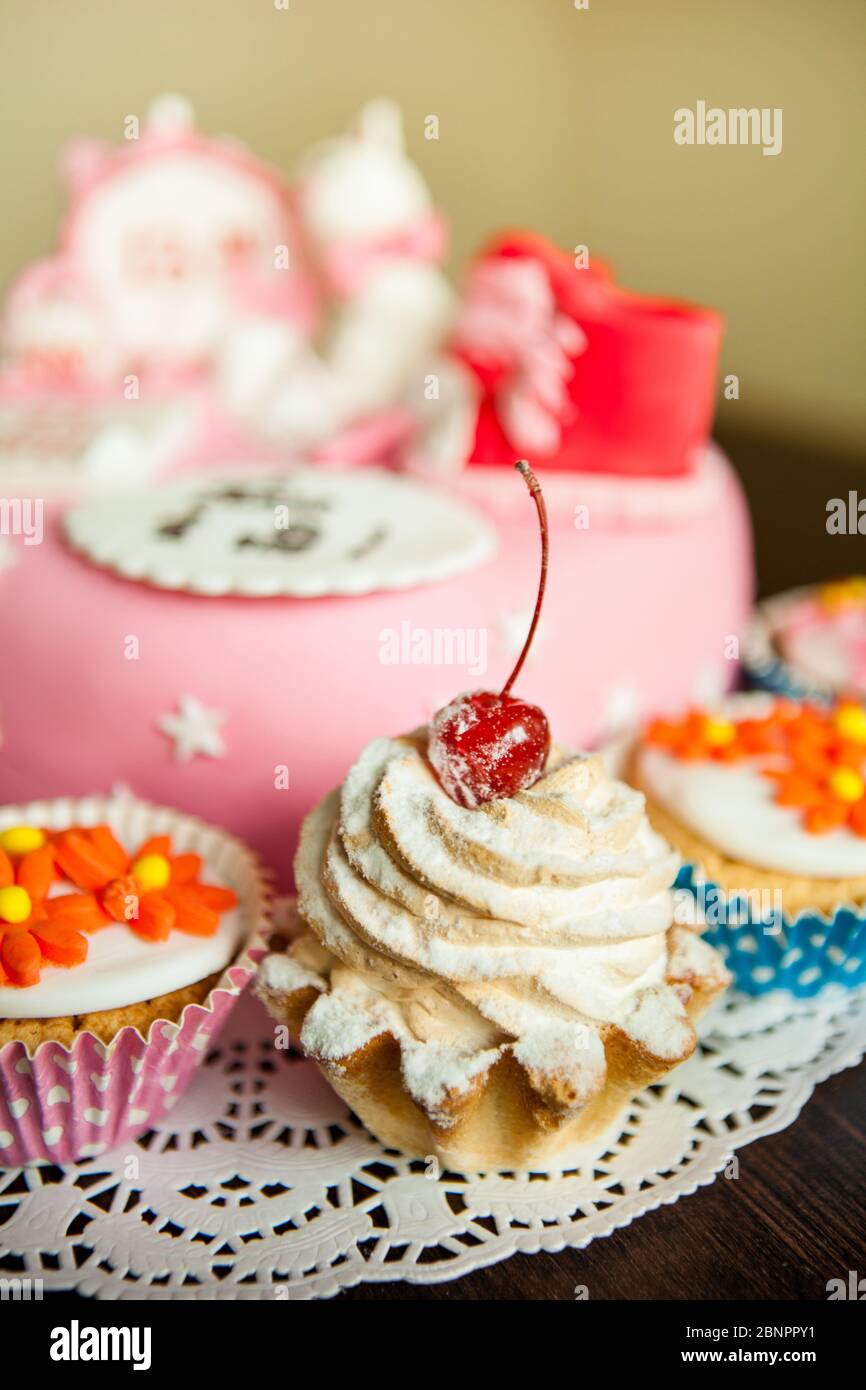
282 974
570 1052
434 1073
334 1028
658 1022
693 960
528 925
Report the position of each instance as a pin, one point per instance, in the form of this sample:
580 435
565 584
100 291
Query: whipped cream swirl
536 923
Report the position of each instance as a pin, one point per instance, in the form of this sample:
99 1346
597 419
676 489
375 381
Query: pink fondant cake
227 642
108 679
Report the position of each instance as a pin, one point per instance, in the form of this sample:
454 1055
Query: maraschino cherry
484 746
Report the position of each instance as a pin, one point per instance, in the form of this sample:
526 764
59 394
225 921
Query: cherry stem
538 497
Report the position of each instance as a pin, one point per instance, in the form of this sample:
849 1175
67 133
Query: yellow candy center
847 784
22 839
840 592
14 904
718 733
151 871
850 721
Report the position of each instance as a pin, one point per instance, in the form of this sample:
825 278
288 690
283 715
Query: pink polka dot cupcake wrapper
59 1104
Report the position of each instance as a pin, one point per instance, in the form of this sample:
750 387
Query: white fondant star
513 626
122 791
194 730
710 684
621 709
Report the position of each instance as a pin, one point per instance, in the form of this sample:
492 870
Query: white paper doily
302 533
260 1184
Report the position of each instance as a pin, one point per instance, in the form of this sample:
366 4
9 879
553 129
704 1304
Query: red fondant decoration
636 396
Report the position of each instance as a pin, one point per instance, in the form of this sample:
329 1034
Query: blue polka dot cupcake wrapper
802 956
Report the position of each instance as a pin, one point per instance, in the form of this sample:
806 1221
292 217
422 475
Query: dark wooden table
796 1216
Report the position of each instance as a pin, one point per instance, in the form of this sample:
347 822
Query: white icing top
530 923
732 807
123 968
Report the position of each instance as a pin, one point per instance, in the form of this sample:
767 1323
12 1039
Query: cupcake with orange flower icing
123 935
810 643
765 799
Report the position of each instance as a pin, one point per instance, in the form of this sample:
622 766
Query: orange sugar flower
700 736
29 933
825 771
153 891
815 756
829 801
843 593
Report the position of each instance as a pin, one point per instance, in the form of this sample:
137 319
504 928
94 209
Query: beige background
549 116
